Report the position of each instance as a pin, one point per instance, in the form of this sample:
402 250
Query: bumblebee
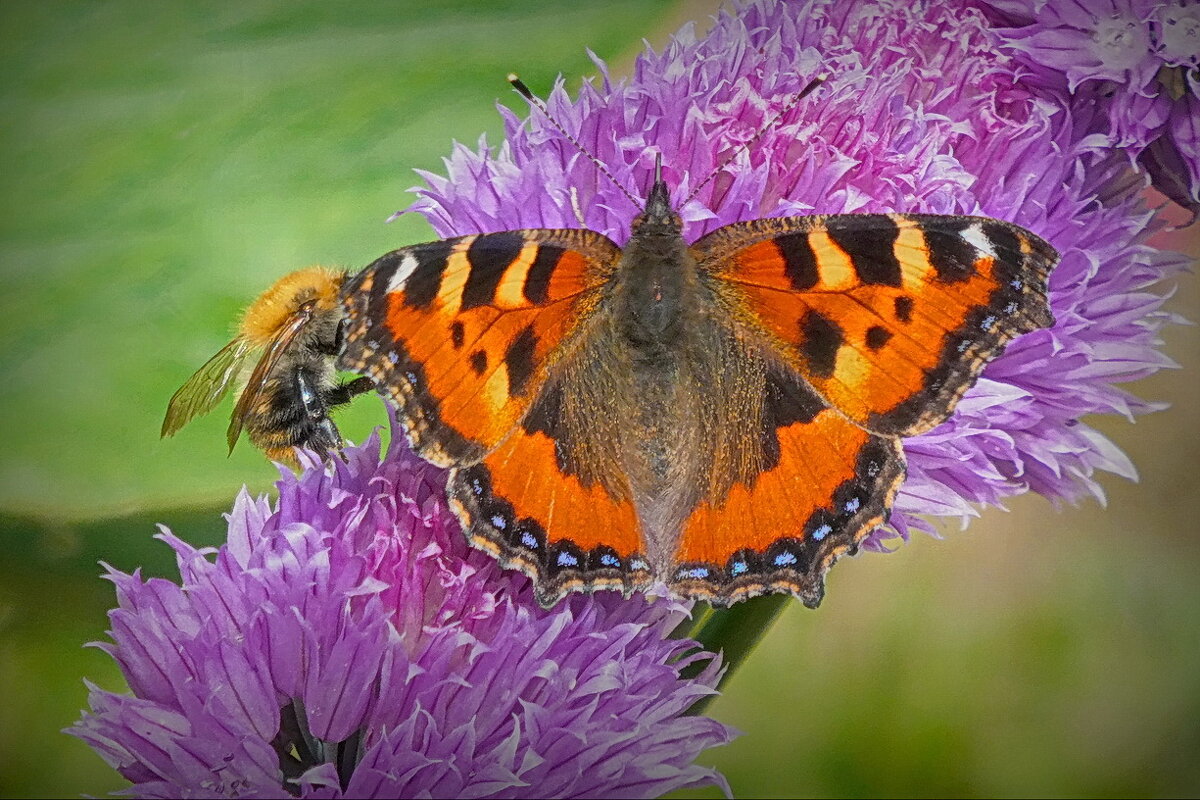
297 328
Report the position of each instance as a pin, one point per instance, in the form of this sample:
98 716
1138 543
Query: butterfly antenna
803 93
520 86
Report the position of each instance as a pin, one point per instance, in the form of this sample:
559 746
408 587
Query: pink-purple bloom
348 643
1126 67
1091 40
1175 30
928 107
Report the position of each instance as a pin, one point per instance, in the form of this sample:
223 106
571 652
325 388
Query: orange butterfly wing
531 508
883 322
856 329
827 483
462 336
889 317
461 332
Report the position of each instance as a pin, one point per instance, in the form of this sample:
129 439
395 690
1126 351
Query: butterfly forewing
461 333
889 317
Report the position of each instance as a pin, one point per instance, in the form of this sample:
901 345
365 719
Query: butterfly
724 417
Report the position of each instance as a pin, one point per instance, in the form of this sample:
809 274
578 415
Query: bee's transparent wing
207 387
266 365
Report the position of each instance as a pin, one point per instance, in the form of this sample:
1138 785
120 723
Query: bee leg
331 430
319 432
346 392
339 395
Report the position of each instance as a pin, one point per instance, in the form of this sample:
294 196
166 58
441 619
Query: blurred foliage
163 164
163 168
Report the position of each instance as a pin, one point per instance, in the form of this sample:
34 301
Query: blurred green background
162 164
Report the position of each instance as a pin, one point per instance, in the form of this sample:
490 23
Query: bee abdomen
293 413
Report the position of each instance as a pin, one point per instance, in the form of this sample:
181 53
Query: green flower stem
733 632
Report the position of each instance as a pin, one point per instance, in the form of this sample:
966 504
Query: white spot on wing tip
400 276
978 239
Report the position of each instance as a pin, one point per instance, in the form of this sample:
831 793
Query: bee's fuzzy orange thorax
266 315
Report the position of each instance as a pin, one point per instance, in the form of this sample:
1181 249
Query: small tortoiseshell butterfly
724 416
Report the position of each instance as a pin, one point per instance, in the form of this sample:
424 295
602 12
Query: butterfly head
658 216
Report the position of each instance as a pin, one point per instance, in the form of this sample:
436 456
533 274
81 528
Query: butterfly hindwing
536 508
460 333
825 483
890 317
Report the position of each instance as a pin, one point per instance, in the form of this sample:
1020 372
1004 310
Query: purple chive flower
1126 66
1176 31
1091 40
348 643
928 107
